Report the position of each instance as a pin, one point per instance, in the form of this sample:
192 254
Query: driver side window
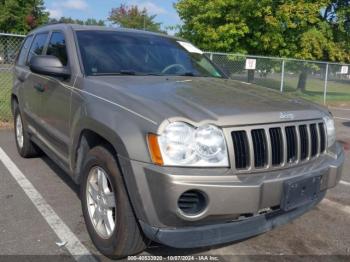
38 45
57 47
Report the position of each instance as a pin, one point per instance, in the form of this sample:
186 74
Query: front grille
278 145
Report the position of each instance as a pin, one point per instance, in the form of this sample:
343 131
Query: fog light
192 202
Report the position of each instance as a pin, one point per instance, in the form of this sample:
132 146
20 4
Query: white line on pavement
345 183
74 246
341 207
339 108
342 118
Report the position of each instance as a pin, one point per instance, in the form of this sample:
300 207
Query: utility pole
282 76
144 22
325 85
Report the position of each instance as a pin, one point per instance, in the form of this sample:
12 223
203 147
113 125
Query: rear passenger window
57 47
23 53
38 45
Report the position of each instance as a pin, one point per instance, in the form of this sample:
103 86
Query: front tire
108 215
25 146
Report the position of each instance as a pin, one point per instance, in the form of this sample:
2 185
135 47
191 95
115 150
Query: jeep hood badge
286 115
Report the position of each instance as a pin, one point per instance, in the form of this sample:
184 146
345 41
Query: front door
55 107
31 92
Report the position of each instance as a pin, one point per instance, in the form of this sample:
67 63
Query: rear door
21 70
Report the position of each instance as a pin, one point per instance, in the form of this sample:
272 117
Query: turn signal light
154 149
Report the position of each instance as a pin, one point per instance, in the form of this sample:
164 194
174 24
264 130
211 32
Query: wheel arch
89 137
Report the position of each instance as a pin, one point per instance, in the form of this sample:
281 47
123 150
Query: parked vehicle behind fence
163 145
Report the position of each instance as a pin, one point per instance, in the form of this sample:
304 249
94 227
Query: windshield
111 52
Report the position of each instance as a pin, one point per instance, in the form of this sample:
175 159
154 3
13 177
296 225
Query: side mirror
48 65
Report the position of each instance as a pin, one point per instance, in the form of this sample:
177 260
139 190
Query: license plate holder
300 191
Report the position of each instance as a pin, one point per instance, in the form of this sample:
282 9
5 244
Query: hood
197 100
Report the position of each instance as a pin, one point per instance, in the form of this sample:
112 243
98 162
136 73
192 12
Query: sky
99 9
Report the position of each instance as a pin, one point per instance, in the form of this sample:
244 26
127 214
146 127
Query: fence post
211 57
325 85
282 76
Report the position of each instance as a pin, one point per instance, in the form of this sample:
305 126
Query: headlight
183 145
329 122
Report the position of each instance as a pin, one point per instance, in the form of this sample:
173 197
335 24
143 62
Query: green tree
133 17
69 20
66 20
21 16
92 21
285 28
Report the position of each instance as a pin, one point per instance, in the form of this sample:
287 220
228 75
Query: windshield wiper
127 72
121 72
187 74
154 74
133 73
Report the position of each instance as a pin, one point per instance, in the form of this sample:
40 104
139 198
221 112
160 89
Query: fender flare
101 130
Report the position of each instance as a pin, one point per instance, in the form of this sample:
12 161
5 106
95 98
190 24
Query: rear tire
25 146
125 238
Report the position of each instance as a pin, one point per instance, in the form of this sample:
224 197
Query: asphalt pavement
41 217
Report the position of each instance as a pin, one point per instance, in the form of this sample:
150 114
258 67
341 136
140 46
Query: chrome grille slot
304 142
241 147
276 146
291 144
314 140
260 148
322 137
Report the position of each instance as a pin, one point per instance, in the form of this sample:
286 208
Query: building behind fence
315 80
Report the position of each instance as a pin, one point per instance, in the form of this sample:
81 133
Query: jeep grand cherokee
163 145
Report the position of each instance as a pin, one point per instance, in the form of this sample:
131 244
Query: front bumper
209 235
154 193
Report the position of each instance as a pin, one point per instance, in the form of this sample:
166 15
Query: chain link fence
9 46
318 81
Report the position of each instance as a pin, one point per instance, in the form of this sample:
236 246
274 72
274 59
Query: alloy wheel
101 202
19 131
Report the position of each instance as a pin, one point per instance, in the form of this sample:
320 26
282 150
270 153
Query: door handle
39 87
